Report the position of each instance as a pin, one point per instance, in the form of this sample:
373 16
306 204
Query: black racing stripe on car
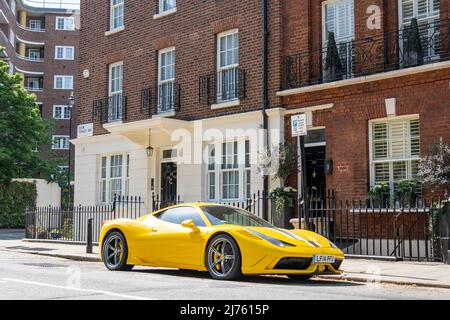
293 236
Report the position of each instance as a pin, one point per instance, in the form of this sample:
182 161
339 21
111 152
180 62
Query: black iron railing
111 109
372 55
161 99
223 86
70 224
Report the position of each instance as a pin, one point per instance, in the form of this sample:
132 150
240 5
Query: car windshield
230 215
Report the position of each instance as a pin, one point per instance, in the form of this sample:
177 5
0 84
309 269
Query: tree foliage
23 133
434 169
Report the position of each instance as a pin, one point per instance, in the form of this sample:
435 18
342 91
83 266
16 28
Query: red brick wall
192 30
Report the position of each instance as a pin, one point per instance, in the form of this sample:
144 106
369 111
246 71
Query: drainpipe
265 101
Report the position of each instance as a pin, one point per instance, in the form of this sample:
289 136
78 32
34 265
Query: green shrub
15 197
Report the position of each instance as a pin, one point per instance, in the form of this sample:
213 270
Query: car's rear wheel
223 258
115 252
300 277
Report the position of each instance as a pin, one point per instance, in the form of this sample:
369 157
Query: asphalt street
27 276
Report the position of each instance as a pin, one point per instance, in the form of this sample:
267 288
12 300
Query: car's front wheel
115 252
223 258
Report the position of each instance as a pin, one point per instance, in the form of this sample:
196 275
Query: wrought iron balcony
402 49
223 86
110 109
164 98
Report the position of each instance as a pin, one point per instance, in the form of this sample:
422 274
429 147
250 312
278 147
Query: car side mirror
190 224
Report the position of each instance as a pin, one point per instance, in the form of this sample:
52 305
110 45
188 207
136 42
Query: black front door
168 184
315 169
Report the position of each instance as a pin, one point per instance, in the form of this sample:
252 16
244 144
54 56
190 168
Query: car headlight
276 242
333 245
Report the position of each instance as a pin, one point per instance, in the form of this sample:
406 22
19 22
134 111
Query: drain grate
44 265
30 248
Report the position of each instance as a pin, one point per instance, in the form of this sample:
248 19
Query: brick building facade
150 78
41 44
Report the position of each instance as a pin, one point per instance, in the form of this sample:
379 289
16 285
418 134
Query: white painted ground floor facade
216 159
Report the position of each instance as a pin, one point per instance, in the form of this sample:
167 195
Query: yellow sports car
223 240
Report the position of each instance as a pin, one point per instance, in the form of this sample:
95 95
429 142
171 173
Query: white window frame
227 67
168 81
105 189
67 26
161 9
64 112
352 25
33 23
34 50
408 159
63 144
64 78
64 51
33 80
241 167
115 108
113 17
431 17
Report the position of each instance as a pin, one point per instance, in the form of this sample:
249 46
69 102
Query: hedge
15 197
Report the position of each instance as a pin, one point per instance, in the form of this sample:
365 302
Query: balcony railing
391 51
30 58
34 89
32 28
223 86
161 99
110 109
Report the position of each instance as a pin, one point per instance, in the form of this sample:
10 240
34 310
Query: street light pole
70 104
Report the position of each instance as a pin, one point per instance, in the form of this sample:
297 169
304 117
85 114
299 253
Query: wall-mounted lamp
149 149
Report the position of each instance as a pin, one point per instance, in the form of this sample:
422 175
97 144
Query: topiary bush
15 197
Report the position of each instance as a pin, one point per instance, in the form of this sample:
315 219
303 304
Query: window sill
227 104
164 14
114 31
167 114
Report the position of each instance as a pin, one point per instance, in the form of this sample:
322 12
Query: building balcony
111 109
34 83
31 57
222 87
32 26
403 49
163 100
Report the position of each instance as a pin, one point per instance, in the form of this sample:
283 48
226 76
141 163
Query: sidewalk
426 274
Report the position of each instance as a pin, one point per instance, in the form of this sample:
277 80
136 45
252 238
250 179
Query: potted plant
283 205
379 195
406 192
333 69
55 234
413 52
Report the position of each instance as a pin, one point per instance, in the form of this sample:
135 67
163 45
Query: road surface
28 276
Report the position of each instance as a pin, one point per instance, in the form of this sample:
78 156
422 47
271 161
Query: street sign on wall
298 125
85 130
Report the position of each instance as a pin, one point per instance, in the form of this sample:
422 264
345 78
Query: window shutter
382 172
407 10
345 18
414 130
397 139
380 141
330 20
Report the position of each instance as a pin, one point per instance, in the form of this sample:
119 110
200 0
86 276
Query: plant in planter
287 160
333 69
379 195
413 54
55 233
406 191
283 198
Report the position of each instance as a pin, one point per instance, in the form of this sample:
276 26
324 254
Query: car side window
180 214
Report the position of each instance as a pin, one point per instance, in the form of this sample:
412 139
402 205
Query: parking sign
298 125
